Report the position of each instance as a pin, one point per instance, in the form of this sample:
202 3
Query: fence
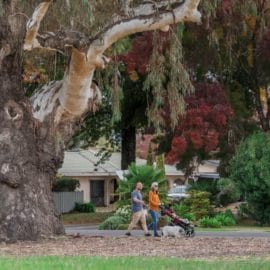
65 201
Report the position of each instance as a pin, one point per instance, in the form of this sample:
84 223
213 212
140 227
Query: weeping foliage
116 95
88 16
155 81
168 79
179 84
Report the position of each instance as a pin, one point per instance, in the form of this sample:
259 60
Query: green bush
85 207
124 212
189 216
123 227
183 211
225 220
228 192
229 213
65 184
209 186
112 223
244 211
199 203
145 174
208 222
250 170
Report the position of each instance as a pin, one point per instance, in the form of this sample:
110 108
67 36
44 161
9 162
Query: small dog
172 231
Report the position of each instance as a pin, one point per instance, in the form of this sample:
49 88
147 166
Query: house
99 181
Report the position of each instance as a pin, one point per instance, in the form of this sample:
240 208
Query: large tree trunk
29 157
128 147
33 131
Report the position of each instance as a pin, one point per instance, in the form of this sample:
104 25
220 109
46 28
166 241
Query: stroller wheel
190 233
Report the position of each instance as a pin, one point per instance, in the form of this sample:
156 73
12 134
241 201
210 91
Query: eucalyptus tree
33 131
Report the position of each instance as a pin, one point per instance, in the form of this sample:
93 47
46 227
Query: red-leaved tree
205 121
202 126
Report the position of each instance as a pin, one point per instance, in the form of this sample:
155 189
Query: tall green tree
250 170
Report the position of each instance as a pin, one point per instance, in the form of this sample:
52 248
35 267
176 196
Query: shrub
123 227
85 207
145 174
228 192
189 216
250 170
183 211
208 222
244 210
124 212
229 213
65 184
112 223
199 203
209 186
225 220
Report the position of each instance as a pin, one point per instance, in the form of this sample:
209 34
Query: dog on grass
172 231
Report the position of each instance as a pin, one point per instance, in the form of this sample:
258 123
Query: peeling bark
33 25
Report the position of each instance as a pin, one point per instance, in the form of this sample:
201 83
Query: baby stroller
177 221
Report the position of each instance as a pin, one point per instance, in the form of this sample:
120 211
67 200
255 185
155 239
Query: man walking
137 210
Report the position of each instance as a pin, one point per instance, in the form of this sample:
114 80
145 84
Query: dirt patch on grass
123 246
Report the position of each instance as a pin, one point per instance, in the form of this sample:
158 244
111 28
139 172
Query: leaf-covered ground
197 247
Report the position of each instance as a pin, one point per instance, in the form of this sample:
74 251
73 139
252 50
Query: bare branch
33 25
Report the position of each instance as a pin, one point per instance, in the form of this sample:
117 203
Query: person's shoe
157 235
148 234
128 234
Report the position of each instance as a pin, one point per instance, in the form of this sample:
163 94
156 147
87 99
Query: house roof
85 163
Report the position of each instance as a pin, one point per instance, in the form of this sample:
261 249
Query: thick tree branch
64 38
147 17
76 91
33 25
72 96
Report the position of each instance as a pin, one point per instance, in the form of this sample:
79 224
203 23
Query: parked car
178 192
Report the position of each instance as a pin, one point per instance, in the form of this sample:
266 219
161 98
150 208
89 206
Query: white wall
85 187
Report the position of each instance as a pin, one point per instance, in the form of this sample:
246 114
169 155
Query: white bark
75 92
146 19
45 100
33 25
76 89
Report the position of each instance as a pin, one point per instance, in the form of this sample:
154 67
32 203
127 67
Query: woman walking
154 203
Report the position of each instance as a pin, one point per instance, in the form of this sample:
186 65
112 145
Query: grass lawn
84 218
128 263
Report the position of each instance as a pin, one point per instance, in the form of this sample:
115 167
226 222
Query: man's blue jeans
153 225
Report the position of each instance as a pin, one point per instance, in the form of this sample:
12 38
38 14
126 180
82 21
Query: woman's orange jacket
154 201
